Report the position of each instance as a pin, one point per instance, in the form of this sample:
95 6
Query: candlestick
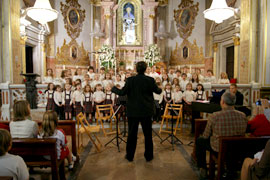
64 67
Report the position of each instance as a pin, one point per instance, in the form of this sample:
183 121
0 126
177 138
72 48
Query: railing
12 92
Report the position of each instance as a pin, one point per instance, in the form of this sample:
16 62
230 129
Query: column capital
236 40
215 47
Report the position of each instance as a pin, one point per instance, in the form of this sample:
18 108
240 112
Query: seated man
227 122
239 96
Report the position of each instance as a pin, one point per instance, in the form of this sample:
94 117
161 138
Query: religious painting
73 52
185 16
129 23
185 52
73 17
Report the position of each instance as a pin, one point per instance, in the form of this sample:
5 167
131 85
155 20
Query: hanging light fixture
42 12
219 11
161 34
97 33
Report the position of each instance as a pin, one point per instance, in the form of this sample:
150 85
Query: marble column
215 49
107 7
236 56
151 29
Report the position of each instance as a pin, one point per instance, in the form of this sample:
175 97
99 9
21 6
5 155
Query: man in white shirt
184 82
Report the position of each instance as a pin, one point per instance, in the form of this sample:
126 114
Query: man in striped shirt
227 122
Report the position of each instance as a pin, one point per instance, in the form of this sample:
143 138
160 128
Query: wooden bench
235 148
69 126
33 151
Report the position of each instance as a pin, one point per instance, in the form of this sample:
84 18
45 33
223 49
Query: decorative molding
236 41
215 47
187 53
185 17
163 2
73 17
231 3
72 54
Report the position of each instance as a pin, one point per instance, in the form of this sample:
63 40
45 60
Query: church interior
65 56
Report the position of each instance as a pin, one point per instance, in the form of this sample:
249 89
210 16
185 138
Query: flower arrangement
152 55
107 56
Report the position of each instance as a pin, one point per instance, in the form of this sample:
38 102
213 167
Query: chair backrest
105 108
174 107
81 119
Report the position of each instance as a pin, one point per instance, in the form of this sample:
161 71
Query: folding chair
84 127
101 110
177 108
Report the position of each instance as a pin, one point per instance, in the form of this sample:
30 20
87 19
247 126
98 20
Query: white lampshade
42 12
219 11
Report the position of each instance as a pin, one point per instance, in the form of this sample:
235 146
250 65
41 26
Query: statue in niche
185 52
129 24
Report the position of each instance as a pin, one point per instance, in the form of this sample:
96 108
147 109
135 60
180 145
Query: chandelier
219 11
97 33
42 12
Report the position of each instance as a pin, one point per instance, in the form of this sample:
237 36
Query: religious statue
129 24
31 89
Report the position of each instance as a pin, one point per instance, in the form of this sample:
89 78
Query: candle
64 67
77 67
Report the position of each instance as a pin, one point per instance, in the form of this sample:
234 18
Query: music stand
117 133
171 135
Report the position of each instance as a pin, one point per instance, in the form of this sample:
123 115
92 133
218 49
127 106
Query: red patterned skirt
67 107
50 104
78 108
88 107
95 104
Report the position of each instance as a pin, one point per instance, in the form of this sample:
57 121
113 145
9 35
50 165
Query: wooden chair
101 110
167 116
84 127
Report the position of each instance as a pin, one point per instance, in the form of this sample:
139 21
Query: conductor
140 108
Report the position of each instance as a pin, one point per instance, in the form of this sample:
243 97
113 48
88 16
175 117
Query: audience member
239 96
223 78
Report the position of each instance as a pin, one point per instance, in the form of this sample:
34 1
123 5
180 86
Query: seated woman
223 78
22 126
10 165
260 125
259 167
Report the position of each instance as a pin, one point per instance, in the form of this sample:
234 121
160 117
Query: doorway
230 62
29 58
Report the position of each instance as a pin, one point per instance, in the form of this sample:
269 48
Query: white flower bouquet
152 55
107 56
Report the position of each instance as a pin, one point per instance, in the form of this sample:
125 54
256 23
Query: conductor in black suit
140 108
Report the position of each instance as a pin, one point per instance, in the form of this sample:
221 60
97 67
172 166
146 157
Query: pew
33 151
234 149
69 127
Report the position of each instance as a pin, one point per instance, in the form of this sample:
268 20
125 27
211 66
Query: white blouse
23 129
94 83
78 77
77 96
107 82
183 84
120 83
67 95
48 79
98 96
49 94
57 98
189 96
177 97
158 97
223 81
87 97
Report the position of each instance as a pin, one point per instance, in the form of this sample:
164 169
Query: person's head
154 68
223 75
87 88
78 81
178 73
158 79
49 123
69 72
108 88
184 76
21 110
96 77
227 100
69 81
108 76
118 77
195 78
78 71
86 77
98 87
49 72
141 67
90 69
177 88
175 81
198 71
148 70
185 69
67 86
78 86
118 86
102 70
200 87
50 86
128 10
165 77
5 142
58 88
128 74
209 73
168 86
189 86
64 74
171 70
233 88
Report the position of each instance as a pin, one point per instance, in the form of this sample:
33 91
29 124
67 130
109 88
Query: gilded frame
185 17
138 21
73 30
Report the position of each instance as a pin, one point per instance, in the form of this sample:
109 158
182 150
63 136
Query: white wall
61 32
198 32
